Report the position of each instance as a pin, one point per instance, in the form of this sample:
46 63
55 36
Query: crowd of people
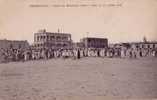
13 55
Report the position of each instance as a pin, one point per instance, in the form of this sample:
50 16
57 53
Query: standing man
78 54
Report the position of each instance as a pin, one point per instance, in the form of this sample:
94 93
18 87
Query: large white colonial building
43 39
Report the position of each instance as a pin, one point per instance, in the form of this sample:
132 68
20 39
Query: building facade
90 42
145 45
14 44
43 39
137 45
78 45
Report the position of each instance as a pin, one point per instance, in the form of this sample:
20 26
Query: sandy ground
56 79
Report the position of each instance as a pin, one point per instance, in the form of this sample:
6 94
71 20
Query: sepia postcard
78 49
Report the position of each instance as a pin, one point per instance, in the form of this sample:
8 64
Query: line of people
10 55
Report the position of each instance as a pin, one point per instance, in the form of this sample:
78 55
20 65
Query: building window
137 46
58 37
48 38
89 40
52 37
38 38
153 46
148 46
64 45
64 38
44 37
41 37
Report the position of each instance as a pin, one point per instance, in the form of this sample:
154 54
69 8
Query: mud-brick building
146 45
92 42
137 45
15 44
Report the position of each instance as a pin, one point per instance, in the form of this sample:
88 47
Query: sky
129 22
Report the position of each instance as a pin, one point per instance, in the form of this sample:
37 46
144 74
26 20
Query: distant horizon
140 40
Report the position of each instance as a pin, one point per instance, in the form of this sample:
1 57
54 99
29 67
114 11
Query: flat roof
93 38
14 40
56 33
